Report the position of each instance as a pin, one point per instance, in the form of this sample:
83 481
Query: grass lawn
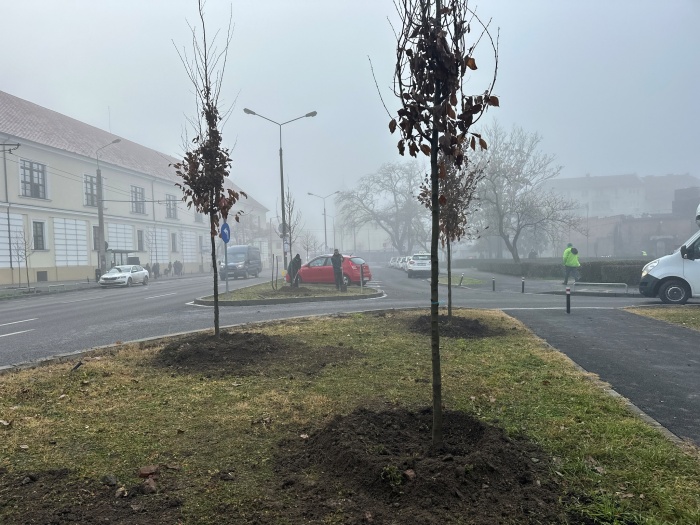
236 434
467 281
686 315
284 291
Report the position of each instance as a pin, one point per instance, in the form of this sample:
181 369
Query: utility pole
101 242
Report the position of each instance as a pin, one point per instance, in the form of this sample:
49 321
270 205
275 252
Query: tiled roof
28 121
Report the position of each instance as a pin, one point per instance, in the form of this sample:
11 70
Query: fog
610 86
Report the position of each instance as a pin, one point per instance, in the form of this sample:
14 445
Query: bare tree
22 250
436 115
388 199
308 242
206 166
512 196
294 221
459 189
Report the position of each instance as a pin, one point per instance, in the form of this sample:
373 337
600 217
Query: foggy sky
610 85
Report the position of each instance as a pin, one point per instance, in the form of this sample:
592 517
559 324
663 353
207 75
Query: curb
261 302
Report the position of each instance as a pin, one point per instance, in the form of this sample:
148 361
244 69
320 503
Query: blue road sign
225 233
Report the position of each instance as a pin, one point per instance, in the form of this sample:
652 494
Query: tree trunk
449 280
216 277
434 269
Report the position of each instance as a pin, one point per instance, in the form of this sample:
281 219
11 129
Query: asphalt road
653 364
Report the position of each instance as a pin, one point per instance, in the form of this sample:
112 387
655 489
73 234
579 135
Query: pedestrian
156 270
177 266
294 268
566 253
337 261
571 266
148 269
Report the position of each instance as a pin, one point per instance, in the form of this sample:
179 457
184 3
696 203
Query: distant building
607 196
49 206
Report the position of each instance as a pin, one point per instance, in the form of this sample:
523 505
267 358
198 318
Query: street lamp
101 247
325 235
284 221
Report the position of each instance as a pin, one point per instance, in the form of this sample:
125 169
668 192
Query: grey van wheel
674 292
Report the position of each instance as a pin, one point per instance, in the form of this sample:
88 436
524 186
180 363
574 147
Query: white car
418 264
125 275
392 262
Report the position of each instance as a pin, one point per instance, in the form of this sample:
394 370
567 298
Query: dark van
243 260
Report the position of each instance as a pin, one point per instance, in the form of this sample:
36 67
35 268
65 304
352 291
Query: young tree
436 115
388 199
459 188
22 250
308 242
294 222
206 166
512 197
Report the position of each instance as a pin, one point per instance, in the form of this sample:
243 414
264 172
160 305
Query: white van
675 278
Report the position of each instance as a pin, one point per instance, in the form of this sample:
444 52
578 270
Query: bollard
493 284
522 289
362 278
460 280
568 300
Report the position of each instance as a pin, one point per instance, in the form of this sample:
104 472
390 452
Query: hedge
598 271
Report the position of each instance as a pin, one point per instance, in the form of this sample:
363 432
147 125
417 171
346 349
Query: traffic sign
225 232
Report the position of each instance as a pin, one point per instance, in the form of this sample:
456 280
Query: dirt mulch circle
247 354
378 467
457 327
57 497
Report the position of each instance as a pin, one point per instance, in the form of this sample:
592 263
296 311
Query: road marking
15 322
164 295
15 333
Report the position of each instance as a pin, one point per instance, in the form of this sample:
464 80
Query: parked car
125 275
320 270
392 262
418 264
404 262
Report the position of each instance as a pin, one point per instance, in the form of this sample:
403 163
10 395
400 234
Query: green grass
119 412
687 315
467 281
284 291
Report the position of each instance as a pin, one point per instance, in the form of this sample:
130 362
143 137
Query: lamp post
284 220
325 235
101 248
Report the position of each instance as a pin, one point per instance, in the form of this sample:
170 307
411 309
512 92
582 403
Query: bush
598 271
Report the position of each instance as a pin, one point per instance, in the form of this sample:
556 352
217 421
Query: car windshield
421 257
236 256
120 269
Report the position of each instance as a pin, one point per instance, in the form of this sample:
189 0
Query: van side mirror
684 251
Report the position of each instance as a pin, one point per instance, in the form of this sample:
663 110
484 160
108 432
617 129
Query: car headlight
649 267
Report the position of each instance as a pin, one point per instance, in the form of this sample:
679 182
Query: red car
320 270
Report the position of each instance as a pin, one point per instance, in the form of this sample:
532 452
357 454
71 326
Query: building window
90 190
138 199
38 234
139 241
171 207
33 177
198 217
173 242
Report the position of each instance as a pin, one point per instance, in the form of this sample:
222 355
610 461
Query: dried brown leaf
471 63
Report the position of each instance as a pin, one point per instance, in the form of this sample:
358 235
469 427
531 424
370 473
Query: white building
49 205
